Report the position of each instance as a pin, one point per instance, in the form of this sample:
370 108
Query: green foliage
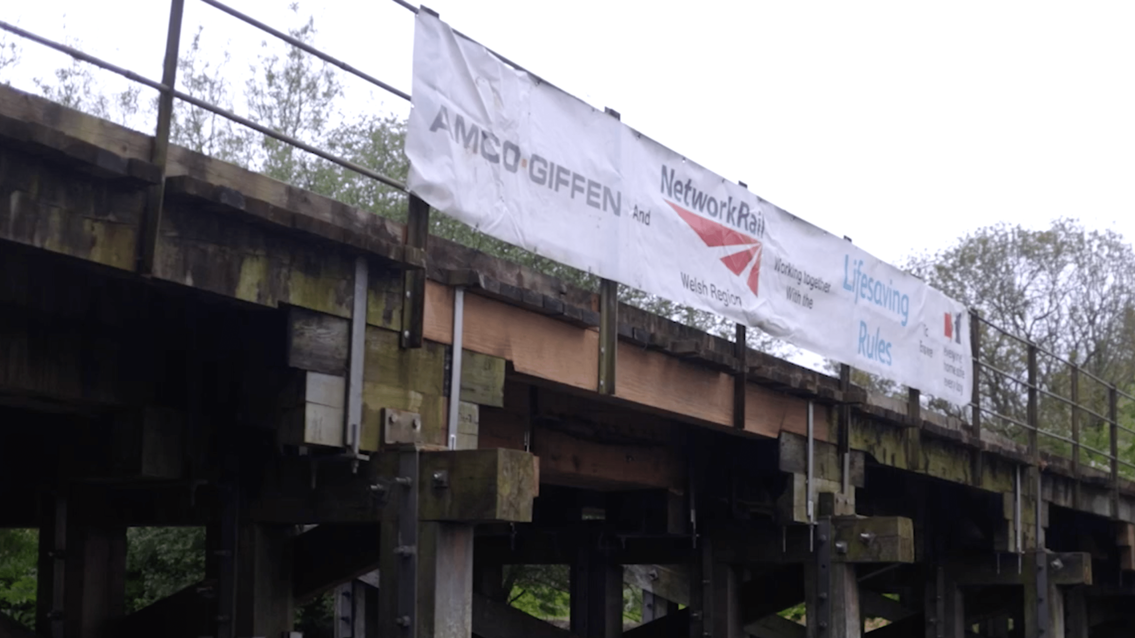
1067 289
543 592
161 561
18 553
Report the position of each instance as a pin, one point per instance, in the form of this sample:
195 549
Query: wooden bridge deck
212 392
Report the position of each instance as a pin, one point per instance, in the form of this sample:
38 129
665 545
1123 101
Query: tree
1069 290
18 552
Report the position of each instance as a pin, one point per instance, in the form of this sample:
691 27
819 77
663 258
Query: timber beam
473 486
1065 568
882 539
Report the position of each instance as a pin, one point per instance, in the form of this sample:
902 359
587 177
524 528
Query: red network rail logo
716 235
953 327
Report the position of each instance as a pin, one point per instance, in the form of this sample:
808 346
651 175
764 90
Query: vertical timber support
425 566
155 197
608 335
944 605
596 595
845 426
414 281
742 344
52 566
1076 623
445 580
723 582
398 566
220 563
831 590
83 549
608 324
264 579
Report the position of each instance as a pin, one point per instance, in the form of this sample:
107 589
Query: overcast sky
902 125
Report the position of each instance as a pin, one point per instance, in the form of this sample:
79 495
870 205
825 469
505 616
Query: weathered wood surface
72 185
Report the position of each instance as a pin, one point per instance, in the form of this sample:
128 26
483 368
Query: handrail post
1075 398
159 153
608 322
414 281
1032 416
1113 422
975 347
741 343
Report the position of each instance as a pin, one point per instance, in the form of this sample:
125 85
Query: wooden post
596 596
608 323
83 552
1076 613
264 603
727 620
1044 602
445 580
414 281
944 606
426 542
739 378
51 566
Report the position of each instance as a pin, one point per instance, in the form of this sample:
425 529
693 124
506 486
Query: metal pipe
155 197
299 44
185 97
79 55
455 369
354 417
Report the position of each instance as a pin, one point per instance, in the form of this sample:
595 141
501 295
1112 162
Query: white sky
902 125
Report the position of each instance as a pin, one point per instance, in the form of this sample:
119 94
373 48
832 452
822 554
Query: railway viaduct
281 370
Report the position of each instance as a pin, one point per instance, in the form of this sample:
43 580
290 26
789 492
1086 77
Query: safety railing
1060 406
1020 390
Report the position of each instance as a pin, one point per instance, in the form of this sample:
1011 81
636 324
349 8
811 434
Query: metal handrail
300 44
185 97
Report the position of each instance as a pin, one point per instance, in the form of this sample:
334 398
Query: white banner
526 163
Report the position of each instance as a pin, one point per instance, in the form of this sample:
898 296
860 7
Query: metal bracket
401 427
407 578
353 417
824 545
1042 601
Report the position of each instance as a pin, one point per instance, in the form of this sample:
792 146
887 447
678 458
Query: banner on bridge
522 161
